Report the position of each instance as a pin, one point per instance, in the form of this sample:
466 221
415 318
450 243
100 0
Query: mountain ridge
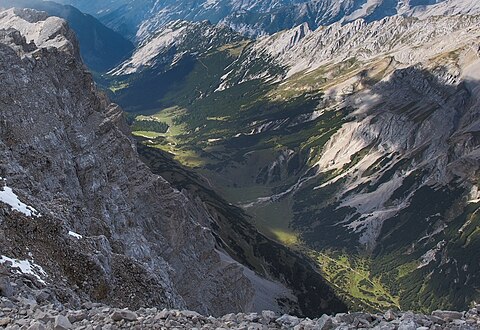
139 19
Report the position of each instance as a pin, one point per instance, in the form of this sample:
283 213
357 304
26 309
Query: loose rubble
25 313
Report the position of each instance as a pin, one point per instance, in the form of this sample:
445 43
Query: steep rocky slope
76 166
82 218
355 144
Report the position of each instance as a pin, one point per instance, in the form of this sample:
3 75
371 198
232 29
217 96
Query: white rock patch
25 267
8 197
74 234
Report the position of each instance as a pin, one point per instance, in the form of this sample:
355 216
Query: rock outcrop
101 48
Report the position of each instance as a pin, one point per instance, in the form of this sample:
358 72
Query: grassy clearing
184 155
171 117
234 49
118 87
352 277
273 219
406 269
147 134
172 141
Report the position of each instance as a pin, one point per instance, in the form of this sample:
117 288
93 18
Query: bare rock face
40 29
104 227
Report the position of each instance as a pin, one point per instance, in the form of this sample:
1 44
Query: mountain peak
42 30
176 39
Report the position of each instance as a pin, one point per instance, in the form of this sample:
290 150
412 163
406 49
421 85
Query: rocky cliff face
103 228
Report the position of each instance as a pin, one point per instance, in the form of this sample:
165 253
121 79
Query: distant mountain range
139 18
